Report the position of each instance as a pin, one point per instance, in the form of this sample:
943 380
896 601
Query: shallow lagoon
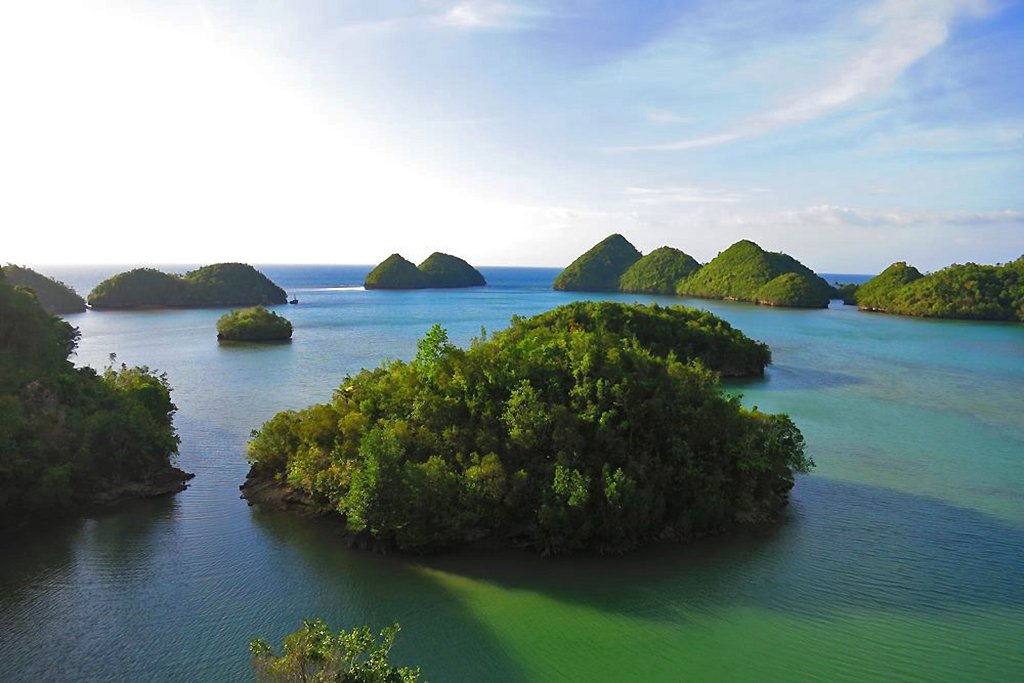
902 556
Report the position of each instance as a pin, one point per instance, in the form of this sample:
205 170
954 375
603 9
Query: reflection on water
901 557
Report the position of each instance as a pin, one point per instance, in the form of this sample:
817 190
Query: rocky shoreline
104 495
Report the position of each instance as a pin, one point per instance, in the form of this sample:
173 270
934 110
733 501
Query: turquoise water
902 557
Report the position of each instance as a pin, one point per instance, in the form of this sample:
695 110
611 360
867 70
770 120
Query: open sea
901 557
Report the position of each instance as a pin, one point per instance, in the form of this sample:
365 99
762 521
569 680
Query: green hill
445 270
395 272
253 324
659 272
964 291
53 295
438 270
231 284
220 284
599 269
745 272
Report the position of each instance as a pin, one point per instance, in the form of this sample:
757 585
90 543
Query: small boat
293 301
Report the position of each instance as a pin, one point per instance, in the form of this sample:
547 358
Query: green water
901 558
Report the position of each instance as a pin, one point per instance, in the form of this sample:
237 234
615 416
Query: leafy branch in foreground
315 655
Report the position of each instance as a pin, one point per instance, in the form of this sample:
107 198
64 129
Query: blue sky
849 134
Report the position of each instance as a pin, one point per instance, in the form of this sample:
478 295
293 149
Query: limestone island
437 271
255 324
743 272
220 284
592 427
962 291
71 437
54 296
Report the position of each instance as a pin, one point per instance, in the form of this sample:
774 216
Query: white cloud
487 14
903 31
682 195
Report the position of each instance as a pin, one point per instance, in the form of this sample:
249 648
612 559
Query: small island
255 324
593 427
54 296
72 437
220 284
743 272
961 291
439 271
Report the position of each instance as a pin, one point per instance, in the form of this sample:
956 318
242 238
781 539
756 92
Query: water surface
901 558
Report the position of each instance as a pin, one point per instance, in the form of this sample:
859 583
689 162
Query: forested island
743 272
220 284
595 426
439 270
963 291
255 324
70 436
53 295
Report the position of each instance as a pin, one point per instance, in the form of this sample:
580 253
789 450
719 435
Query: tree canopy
745 272
53 295
65 431
314 654
253 324
600 268
220 284
965 291
597 427
659 272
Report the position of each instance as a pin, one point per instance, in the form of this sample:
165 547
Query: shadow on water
790 378
349 587
842 547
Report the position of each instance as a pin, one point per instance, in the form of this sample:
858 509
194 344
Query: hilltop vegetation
658 272
968 291
743 272
438 270
746 272
599 269
220 284
445 270
71 436
54 296
253 324
594 426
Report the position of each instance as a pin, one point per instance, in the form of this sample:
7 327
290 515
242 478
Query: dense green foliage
884 286
968 291
315 655
847 292
445 270
395 272
659 272
579 429
688 333
53 295
253 324
231 284
438 270
63 429
744 272
599 269
220 284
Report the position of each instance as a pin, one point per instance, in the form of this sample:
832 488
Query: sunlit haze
848 134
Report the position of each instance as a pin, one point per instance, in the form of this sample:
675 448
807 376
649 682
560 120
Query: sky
847 134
